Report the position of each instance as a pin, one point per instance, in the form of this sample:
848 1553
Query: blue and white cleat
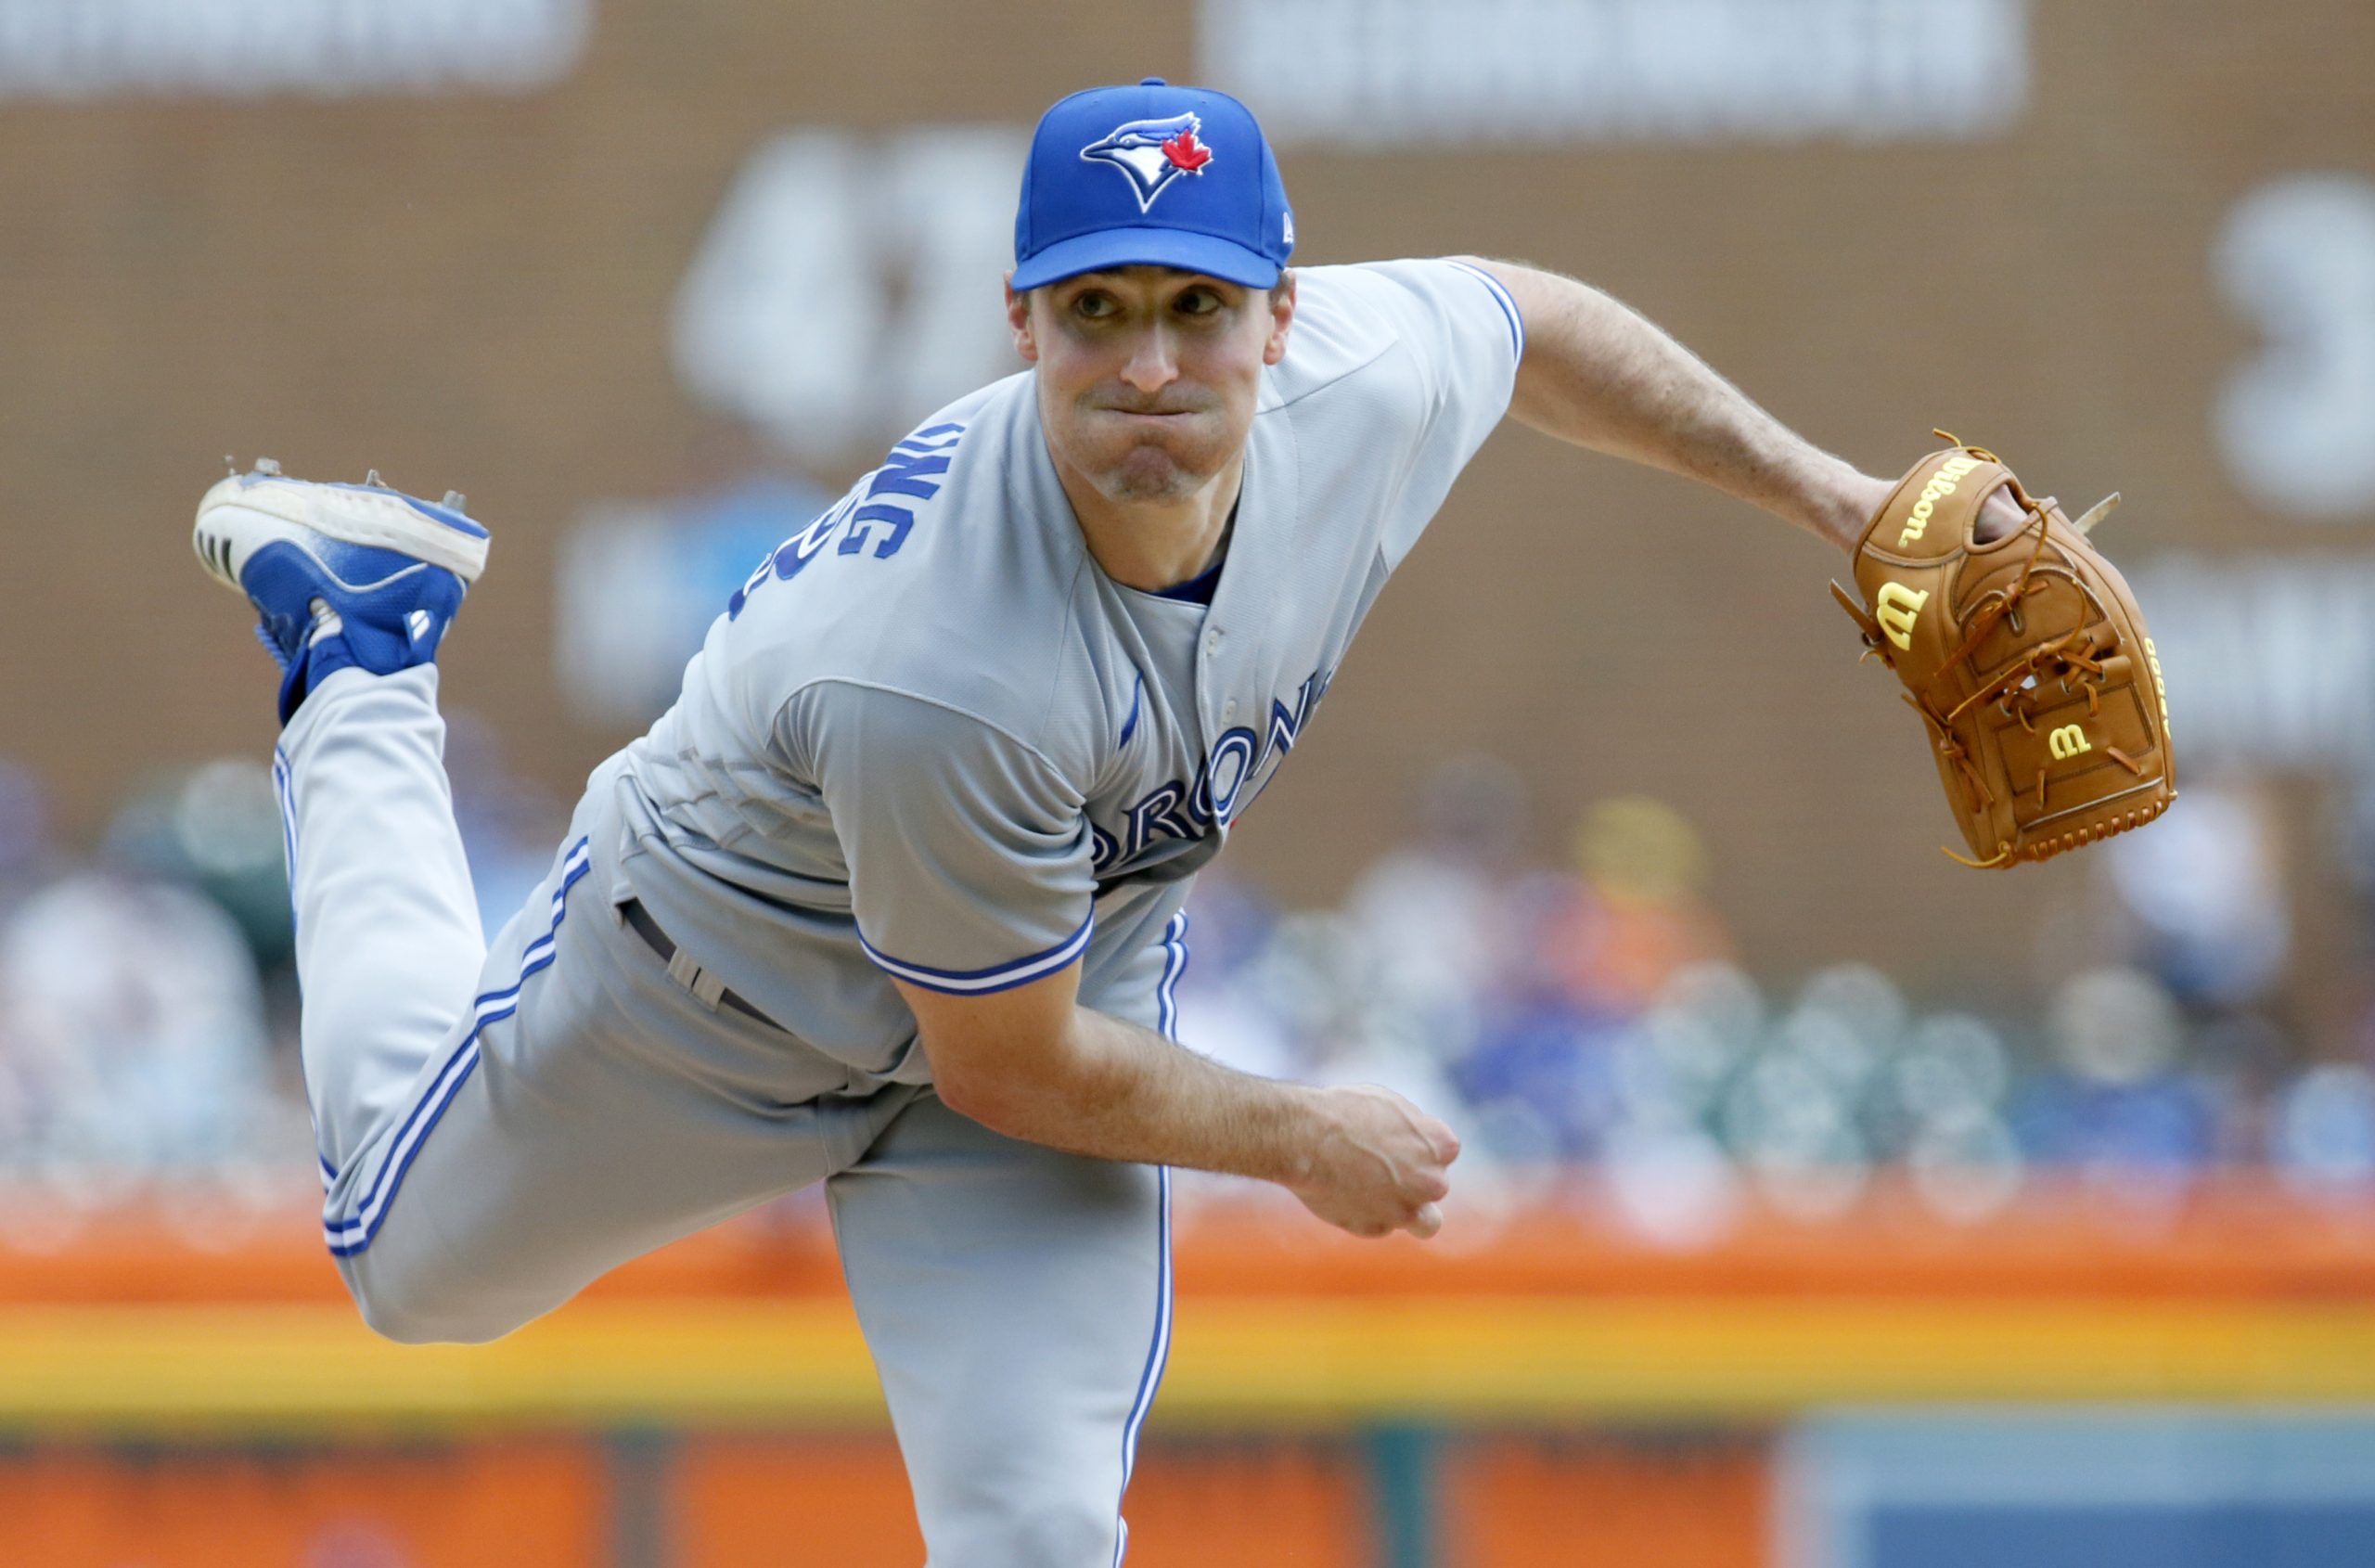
341 574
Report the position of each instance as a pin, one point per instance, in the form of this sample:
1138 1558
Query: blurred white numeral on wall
2270 658
1382 76
849 285
325 49
2297 423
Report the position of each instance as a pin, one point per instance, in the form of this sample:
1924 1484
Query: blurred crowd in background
787 267
1580 1014
1591 1015
149 999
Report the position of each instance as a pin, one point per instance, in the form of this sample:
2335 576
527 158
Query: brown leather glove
2025 656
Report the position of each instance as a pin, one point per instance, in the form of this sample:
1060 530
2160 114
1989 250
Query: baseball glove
2025 656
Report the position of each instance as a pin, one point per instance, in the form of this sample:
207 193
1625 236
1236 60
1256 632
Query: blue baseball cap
1151 175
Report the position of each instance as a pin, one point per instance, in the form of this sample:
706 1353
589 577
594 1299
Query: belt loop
706 987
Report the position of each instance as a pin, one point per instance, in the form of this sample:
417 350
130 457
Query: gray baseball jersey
932 739
928 738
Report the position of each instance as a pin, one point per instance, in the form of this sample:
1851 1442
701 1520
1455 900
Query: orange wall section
1567 1502
756 1502
534 1504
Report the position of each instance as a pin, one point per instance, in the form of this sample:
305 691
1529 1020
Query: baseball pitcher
890 899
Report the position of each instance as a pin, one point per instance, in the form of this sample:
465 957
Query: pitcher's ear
1282 317
1018 318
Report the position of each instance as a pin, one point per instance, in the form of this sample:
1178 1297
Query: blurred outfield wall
575 258
2053 1387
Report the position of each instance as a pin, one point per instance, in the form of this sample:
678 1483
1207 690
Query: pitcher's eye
1197 301
1093 304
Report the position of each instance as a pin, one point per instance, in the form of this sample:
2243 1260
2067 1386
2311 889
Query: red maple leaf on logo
1185 152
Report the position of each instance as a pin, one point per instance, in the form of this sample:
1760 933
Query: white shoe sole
244 513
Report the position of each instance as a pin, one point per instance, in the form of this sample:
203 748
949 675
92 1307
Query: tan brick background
474 292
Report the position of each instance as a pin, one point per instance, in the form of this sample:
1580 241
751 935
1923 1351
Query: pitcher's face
1148 375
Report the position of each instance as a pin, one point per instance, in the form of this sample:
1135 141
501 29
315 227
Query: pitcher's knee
1023 1527
417 1306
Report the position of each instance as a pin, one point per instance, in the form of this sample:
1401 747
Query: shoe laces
327 622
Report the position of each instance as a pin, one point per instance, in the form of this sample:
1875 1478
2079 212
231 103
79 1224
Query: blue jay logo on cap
1150 154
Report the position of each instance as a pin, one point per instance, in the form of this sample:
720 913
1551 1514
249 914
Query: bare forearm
1121 1092
1034 1064
1598 374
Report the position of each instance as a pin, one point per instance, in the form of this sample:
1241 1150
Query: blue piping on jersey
1158 1358
1175 964
282 794
283 788
351 1236
1501 297
1130 725
997 977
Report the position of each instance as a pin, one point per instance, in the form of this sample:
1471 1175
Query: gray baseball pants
499 1125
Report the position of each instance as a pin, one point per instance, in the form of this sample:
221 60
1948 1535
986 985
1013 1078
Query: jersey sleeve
1465 339
969 854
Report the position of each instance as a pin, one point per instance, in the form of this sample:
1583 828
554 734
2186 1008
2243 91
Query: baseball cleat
340 574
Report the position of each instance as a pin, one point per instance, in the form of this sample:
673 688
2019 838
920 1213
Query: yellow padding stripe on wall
1233 1362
